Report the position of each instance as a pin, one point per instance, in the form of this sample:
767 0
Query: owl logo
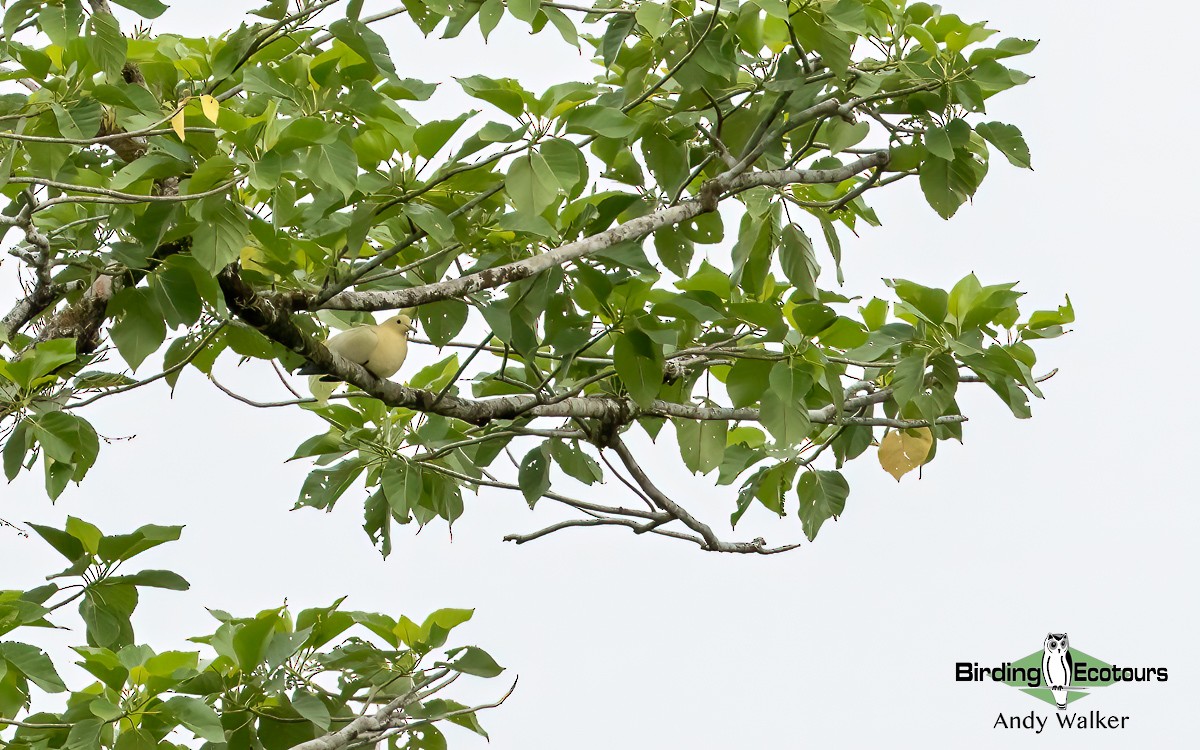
1057 667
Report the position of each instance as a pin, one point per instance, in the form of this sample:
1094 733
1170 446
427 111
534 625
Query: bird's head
403 322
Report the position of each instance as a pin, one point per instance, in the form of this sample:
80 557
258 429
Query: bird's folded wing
356 344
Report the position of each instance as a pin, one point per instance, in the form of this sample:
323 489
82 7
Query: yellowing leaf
250 257
321 390
901 451
210 106
177 124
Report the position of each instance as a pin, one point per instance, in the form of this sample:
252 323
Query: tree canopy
656 251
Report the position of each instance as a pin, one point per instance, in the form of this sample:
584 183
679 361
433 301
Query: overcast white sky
1081 519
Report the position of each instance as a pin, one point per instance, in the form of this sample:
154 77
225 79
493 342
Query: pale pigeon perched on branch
380 348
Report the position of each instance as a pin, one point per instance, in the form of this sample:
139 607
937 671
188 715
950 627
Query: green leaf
566 162
158 579
655 18
533 476
197 716
84 735
144 8
80 120
674 250
524 10
106 610
566 28
489 16
532 186
322 488
599 120
931 304
213 172
1009 140
442 321
176 294
432 221
829 231
613 40
504 95
139 329
432 136
667 160
799 261
833 45
701 443
402 486
67 440
87 534
752 253
34 664
106 45
639 363
575 463
7 152
447 619
43 359
126 546
20 440
1010 47
841 135
333 165
219 239
476 661
908 381
783 411
1049 323
367 44
935 184
312 708
65 544
922 35
822 496
938 143
748 379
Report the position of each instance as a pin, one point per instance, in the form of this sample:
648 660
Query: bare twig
711 541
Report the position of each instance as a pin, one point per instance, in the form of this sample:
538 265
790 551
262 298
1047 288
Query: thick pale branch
632 230
784 177
268 316
368 723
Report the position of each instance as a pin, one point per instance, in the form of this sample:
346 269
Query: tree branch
711 541
634 229
376 722
268 316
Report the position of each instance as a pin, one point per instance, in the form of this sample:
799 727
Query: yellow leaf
210 106
321 390
251 258
901 451
177 124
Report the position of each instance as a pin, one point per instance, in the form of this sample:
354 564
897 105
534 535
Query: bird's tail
308 369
